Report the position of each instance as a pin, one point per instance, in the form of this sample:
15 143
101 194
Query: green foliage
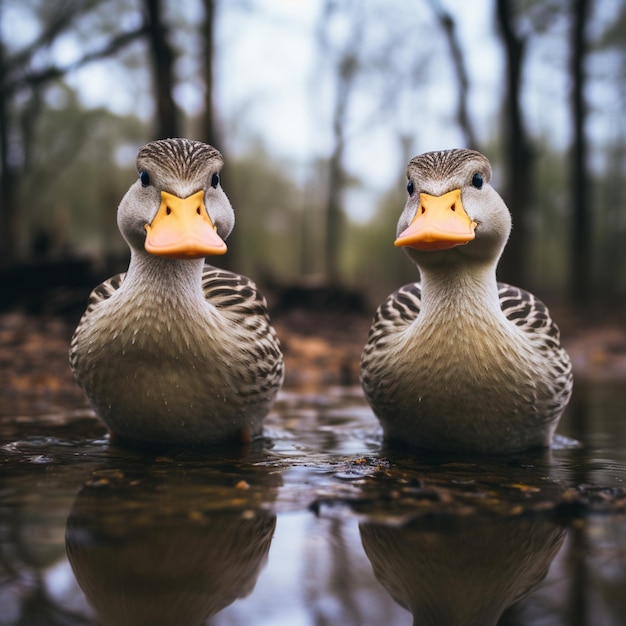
550 224
267 239
371 259
75 180
609 225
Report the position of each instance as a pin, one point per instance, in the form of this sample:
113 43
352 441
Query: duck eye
410 187
477 180
145 178
215 181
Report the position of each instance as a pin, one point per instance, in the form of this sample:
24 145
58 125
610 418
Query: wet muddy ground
320 522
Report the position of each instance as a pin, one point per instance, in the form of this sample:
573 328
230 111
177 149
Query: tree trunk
518 154
8 230
346 74
580 278
162 56
334 213
346 67
449 28
209 127
21 88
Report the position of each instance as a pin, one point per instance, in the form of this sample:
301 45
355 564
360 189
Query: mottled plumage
176 351
467 572
461 362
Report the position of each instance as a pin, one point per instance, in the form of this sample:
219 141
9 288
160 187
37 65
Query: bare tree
8 228
21 79
580 279
346 60
449 28
517 149
162 61
209 127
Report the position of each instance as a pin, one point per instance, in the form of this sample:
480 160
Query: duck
466 570
175 351
459 362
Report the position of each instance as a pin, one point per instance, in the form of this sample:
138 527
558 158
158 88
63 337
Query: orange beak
182 229
439 224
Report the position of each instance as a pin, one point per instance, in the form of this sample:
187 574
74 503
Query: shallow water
319 523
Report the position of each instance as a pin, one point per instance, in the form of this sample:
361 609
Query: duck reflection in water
161 564
465 572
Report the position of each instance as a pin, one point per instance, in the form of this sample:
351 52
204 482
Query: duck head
452 212
177 207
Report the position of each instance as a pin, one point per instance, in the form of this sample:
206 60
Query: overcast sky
272 85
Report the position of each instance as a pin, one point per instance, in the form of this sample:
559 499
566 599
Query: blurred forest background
317 105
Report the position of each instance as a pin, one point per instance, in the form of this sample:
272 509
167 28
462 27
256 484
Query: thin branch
449 28
58 22
36 78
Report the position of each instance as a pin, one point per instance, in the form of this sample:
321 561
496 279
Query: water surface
320 523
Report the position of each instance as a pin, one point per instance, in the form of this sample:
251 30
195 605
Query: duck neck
454 291
164 280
